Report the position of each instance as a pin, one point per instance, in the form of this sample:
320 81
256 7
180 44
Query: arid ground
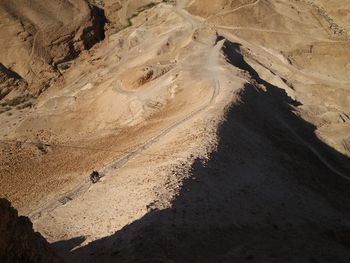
221 129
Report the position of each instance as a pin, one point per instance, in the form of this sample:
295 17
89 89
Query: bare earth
221 128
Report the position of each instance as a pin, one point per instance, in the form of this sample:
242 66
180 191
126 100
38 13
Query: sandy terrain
37 37
222 132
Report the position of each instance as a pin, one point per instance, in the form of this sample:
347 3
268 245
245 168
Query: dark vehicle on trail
95 177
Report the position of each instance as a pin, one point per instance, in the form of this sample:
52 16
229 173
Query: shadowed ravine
263 195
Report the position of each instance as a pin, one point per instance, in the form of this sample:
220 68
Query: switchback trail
84 186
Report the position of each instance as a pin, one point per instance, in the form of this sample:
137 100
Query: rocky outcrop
10 81
18 241
39 35
13 91
119 12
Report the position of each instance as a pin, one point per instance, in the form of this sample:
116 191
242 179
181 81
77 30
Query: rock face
119 12
41 38
10 81
221 129
38 36
18 241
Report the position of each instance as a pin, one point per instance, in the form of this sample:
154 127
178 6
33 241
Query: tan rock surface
36 36
221 129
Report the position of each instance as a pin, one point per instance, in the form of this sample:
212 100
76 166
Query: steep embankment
221 130
301 44
263 194
38 36
18 241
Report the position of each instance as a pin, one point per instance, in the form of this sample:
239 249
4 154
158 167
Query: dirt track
121 161
224 128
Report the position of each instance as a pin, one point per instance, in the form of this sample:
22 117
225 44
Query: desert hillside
39 36
18 242
219 130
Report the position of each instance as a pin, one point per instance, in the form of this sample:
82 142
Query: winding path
120 162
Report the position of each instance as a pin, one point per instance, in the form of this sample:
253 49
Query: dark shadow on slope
301 130
91 35
10 73
64 247
263 196
99 21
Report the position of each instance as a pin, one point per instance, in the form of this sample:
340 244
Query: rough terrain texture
220 128
38 36
18 241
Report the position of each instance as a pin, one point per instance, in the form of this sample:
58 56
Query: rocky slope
18 241
39 36
311 41
220 128
10 82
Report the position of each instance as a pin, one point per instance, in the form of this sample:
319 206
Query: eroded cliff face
309 40
41 39
221 129
120 12
18 241
10 81
37 36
